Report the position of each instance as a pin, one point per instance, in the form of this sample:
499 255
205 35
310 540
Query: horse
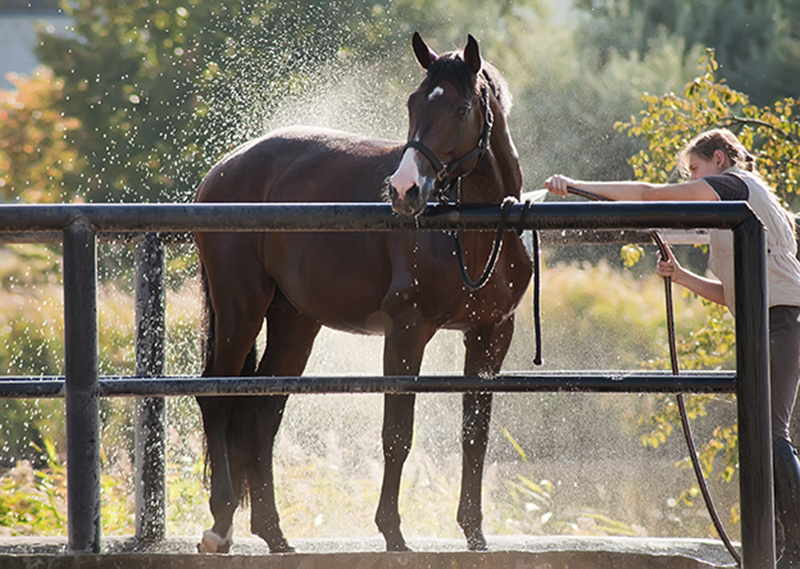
405 285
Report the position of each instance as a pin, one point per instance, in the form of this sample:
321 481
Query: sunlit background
135 102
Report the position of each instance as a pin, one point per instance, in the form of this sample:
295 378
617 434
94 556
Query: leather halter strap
445 179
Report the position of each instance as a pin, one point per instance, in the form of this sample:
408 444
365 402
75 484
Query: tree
163 88
772 134
155 82
757 43
36 162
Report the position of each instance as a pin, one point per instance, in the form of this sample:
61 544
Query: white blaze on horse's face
409 188
408 183
407 174
436 92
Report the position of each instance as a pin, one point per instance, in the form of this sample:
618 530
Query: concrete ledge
506 552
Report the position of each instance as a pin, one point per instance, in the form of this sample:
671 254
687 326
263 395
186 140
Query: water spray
673 356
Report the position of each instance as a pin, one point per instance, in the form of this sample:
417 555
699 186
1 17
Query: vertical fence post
150 411
82 388
753 397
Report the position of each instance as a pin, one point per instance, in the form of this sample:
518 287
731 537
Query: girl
719 168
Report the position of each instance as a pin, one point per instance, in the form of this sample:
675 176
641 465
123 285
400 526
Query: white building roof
18 39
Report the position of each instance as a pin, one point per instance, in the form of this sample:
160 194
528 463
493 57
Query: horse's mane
452 68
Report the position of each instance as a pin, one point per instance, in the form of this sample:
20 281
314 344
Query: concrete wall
460 560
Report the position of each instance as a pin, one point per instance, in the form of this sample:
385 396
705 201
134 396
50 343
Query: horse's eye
463 111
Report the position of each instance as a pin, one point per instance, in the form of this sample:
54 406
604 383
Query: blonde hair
705 144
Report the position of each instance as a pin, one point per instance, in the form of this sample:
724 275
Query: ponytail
706 143
749 162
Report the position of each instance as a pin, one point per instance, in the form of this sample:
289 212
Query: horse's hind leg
290 337
238 318
226 461
216 414
485 351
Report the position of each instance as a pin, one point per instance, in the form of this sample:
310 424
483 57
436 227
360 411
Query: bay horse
405 285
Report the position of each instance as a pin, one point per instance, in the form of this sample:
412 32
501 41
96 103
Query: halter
445 181
444 172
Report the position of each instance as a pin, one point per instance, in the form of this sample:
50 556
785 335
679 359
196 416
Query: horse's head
450 121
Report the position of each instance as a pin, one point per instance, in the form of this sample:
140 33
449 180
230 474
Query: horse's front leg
398 427
485 350
402 356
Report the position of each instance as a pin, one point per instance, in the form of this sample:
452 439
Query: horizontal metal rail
573 381
140 218
546 237
80 226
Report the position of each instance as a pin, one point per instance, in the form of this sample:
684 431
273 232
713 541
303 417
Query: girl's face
700 167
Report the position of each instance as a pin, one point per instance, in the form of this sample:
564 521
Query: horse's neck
498 173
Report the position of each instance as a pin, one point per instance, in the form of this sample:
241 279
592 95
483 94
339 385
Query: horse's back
301 164
338 278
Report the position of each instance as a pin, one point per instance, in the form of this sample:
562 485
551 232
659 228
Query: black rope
673 356
537 287
498 239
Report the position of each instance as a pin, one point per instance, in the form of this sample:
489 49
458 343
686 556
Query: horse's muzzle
411 204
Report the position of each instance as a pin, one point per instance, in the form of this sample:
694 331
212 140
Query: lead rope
673 356
489 268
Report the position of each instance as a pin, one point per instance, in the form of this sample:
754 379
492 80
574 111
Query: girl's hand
558 184
669 267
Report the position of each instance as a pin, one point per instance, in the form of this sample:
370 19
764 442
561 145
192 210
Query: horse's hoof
476 542
396 544
212 542
280 546
397 547
475 545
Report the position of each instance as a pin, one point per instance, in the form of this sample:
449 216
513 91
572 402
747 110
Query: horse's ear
425 55
472 55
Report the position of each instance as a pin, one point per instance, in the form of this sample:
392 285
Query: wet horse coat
405 285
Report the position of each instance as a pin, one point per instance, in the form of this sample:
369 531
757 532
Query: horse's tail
207 351
207 334
235 430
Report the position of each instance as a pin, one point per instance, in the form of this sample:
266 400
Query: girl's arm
707 288
697 190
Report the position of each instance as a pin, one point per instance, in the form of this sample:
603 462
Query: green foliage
157 84
631 254
709 347
565 106
597 308
33 502
163 88
532 506
757 43
772 134
668 122
31 343
35 160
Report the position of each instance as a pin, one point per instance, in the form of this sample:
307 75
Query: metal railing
78 227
